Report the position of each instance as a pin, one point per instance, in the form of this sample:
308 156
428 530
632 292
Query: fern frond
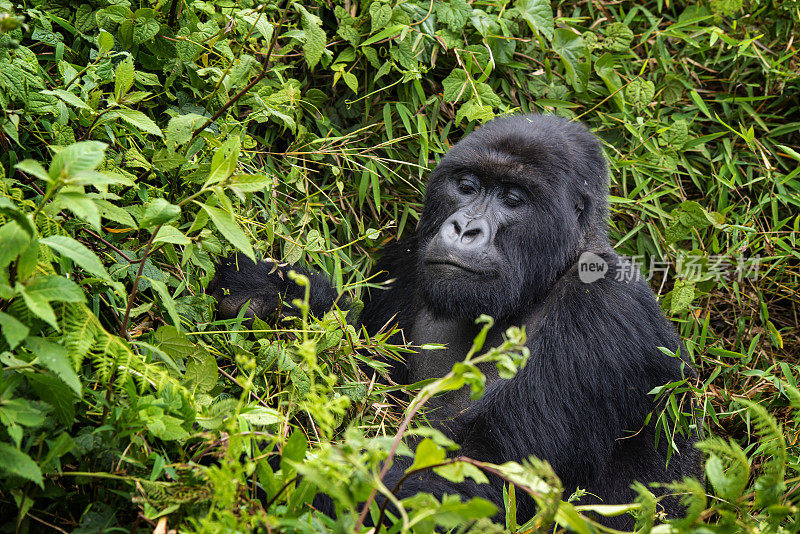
80 332
727 467
693 498
772 445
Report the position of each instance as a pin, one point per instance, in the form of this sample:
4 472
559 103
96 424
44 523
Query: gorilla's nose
462 232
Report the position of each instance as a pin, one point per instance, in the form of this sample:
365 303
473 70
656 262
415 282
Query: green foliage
141 141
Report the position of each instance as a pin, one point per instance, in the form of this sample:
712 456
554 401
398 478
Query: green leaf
159 211
538 14
83 156
166 301
453 13
181 128
428 453
486 94
640 93
139 120
314 45
16 462
56 393
144 29
170 234
380 14
574 56
123 78
105 41
294 450
261 415
55 358
229 228
618 37
250 183
15 241
201 370
68 97
167 428
682 295
57 288
39 306
81 205
455 86
13 330
34 168
77 252
224 161
459 471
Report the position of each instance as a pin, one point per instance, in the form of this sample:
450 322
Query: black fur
581 400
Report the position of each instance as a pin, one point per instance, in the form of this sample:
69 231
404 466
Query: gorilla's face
505 215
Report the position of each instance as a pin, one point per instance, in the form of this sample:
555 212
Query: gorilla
514 226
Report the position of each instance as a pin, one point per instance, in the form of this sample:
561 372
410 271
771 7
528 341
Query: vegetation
140 141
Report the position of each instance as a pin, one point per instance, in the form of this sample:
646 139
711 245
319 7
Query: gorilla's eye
467 186
513 197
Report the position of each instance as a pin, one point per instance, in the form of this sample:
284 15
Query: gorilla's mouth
450 262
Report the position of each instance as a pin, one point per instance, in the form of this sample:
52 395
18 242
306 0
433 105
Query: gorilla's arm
268 288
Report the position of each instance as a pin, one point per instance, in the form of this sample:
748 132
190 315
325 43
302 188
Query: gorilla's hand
266 288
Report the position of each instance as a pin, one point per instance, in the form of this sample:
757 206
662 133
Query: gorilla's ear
582 205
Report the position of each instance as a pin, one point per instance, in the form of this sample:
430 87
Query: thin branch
123 329
252 83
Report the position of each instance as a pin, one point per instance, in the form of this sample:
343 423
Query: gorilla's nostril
457 227
472 233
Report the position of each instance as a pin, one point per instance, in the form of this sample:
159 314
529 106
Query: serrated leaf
82 206
16 462
144 30
77 252
229 228
170 234
201 370
224 161
159 211
82 156
618 37
380 14
428 453
181 128
454 87
13 329
123 78
682 296
138 120
68 97
105 41
487 95
55 358
640 93
453 13
55 288
314 45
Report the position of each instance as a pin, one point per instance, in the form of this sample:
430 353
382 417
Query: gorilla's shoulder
609 291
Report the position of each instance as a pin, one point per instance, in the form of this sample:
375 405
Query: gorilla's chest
457 337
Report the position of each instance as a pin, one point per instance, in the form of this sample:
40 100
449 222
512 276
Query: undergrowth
140 141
